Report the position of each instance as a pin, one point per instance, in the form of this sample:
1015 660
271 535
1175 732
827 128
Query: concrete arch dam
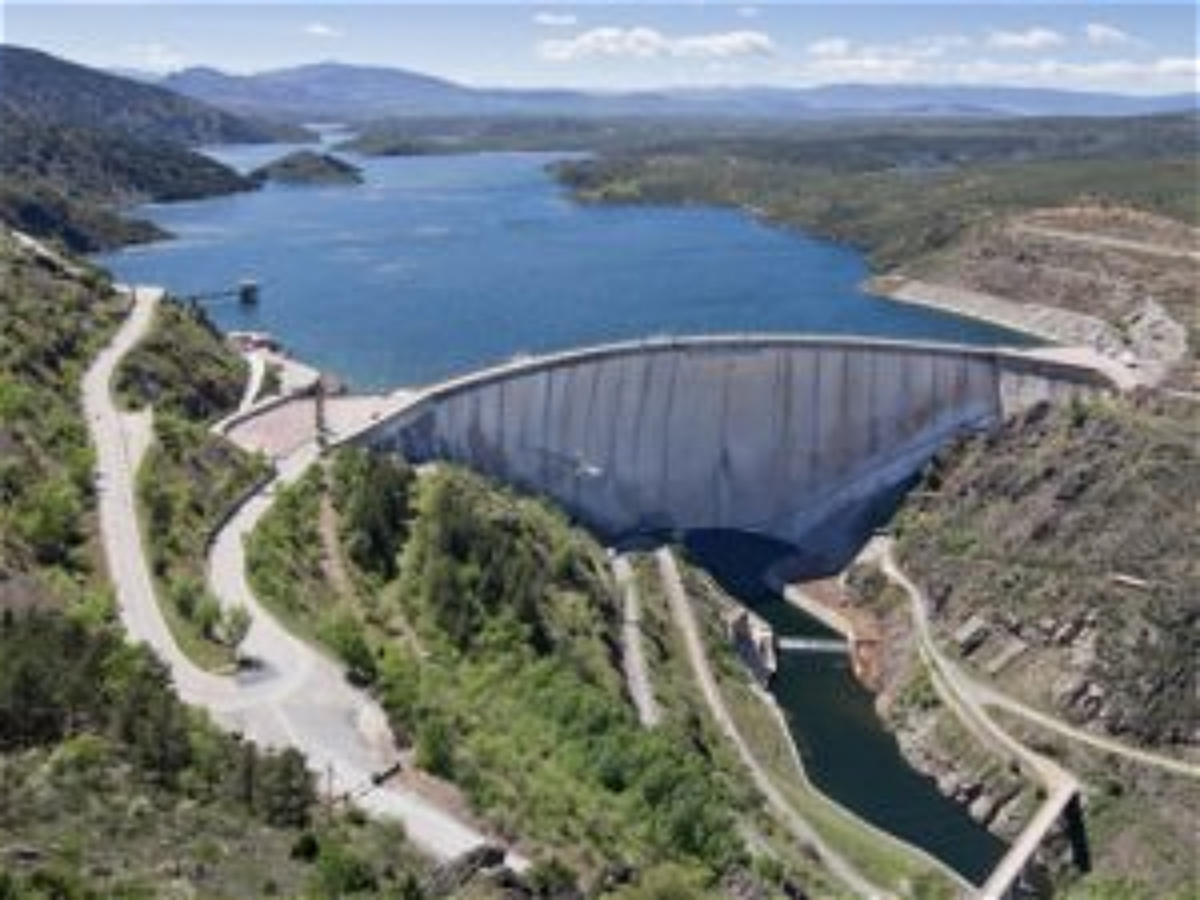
769 435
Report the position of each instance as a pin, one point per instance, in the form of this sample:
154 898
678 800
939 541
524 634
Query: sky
1136 48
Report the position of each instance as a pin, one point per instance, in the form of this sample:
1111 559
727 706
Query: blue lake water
437 265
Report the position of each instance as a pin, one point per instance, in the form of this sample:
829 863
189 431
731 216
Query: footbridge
767 434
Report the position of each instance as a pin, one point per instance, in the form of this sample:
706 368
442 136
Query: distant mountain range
335 91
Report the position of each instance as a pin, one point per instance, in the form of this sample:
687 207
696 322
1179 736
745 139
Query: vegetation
492 643
37 208
63 181
51 321
190 478
895 213
1067 535
1071 527
94 742
183 367
109 786
63 92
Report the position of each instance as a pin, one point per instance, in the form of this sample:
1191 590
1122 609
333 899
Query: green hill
60 92
109 786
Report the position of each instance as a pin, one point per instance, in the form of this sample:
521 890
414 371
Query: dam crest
768 434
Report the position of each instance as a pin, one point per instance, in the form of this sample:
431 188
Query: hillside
319 91
1070 536
58 92
53 321
80 144
92 739
1059 554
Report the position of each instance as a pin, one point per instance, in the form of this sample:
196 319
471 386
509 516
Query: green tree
373 491
235 625
286 788
435 746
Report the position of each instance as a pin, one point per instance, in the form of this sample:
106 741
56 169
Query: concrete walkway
258 371
685 621
633 651
298 698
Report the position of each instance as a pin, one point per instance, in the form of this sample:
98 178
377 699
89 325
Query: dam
764 434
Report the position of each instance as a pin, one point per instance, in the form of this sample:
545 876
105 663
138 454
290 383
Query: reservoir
440 265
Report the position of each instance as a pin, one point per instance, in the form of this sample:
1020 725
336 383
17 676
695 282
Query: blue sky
1098 45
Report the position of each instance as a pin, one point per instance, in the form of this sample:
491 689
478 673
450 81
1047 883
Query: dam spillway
763 434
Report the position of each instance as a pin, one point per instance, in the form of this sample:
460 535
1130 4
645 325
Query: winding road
967 699
985 695
297 698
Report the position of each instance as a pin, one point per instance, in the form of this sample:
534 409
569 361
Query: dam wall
762 434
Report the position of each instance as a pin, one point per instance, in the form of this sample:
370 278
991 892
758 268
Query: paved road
258 371
299 698
685 620
633 655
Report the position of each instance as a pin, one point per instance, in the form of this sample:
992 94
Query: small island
307 167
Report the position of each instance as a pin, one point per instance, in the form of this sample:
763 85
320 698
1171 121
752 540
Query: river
438 265
832 719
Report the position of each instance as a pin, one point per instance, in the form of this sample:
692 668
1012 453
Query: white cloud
839 58
1029 39
830 48
648 43
1100 34
555 19
155 56
321 30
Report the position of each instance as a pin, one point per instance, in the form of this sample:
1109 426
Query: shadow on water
846 750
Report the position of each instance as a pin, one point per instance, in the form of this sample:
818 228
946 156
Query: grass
186 485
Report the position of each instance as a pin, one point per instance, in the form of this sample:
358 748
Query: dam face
765 435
